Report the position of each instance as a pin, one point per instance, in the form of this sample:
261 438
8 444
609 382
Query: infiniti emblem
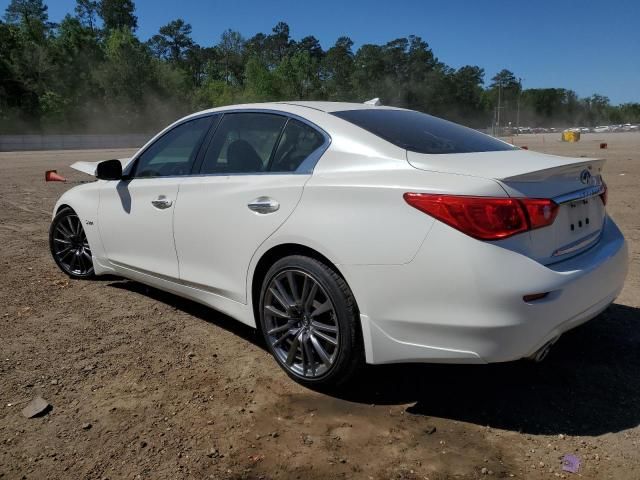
585 177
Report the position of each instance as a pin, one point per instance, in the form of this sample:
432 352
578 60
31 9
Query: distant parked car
350 233
601 129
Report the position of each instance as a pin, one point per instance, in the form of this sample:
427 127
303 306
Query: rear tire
69 245
309 320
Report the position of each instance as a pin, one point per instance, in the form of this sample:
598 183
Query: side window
298 141
174 153
243 143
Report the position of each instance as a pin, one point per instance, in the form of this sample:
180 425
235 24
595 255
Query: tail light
605 193
486 218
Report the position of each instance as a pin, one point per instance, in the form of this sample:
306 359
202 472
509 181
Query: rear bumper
460 300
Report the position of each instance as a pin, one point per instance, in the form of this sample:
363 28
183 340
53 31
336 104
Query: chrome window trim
305 168
581 194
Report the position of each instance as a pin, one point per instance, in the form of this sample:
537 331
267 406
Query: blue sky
589 46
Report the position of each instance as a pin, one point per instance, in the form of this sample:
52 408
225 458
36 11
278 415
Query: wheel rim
301 324
70 246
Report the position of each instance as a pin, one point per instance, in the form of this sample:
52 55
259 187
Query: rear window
422 133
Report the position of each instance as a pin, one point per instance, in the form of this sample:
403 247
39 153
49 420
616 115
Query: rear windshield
422 133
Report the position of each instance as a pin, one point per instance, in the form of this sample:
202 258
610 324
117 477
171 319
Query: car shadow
125 196
193 308
106 278
588 385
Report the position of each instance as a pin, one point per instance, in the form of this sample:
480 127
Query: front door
136 214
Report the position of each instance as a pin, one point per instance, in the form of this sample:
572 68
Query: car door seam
173 229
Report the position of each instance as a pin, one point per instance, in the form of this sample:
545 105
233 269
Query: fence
12 143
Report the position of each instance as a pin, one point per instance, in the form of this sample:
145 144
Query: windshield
422 133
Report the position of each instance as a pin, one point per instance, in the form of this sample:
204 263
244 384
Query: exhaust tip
542 353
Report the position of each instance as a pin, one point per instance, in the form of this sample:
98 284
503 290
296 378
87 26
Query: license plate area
579 226
583 216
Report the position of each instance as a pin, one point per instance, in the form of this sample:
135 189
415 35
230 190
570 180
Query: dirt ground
146 385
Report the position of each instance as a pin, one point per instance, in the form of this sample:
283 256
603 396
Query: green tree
73 94
173 41
597 110
19 104
504 92
465 91
201 63
86 12
118 14
543 105
297 76
231 48
572 110
126 77
368 72
279 43
31 16
26 11
630 112
311 45
255 48
261 84
505 79
26 53
338 67
402 72
68 76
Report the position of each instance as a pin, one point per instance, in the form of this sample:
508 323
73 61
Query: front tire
309 320
69 246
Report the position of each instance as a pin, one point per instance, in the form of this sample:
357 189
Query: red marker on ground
52 176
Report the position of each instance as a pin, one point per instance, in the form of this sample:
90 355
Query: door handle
161 202
264 205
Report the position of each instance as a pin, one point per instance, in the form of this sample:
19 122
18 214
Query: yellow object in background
570 136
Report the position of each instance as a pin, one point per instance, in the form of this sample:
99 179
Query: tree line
92 73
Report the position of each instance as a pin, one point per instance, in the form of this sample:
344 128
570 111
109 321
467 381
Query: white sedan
352 233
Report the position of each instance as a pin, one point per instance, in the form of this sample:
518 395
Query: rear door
136 214
250 180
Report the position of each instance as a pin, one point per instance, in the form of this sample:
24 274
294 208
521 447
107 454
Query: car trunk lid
574 183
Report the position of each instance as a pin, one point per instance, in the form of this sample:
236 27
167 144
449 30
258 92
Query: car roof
295 105
336 106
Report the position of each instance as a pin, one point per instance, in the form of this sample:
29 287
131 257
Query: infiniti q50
352 233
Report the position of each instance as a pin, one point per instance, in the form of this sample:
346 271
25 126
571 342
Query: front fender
84 200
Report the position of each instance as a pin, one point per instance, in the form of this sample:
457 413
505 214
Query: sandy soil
146 385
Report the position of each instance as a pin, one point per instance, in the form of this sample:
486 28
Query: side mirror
109 170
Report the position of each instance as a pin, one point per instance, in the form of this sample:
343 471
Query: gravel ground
146 385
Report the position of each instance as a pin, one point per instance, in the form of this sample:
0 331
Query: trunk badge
585 177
